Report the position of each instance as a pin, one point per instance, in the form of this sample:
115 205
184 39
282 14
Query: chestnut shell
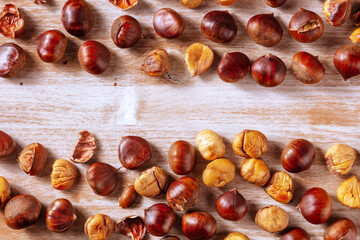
126 31
342 229
182 157
94 57
159 219
134 152
347 61
231 205
60 215
307 68
183 193
51 46
198 226
219 26
168 23
233 67
296 234
268 71
12 60
298 156
102 178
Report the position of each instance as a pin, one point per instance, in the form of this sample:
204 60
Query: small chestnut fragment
218 173
233 67
182 157
183 193
40 2
51 46
132 226
265 29
296 234
22 211
159 219
126 31
255 170
298 156
63 174
275 3
12 60
226 2
94 57
12 23
306 26
191 3
272 219
337 11
250 143
219 26
102 178
356 17
342 229
340 158
268 71
5 191
151 182
60 215
348 192
7 144
198 226
231 205
134 152
168 23
128 197
355 36
32 159
77 17
236 236
307 68
124 4
346 61
280 187
99 226
198 58
156 63
84 149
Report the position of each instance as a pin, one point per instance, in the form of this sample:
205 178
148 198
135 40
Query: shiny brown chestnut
231 205
51 46
77 17
265 29
275 3
7 144
134 152
132 226
198 226
337 11
306 26
307 68
12 22
268 71
298 156
126 31
315 206
219 26
356 17
182 157
94 57
32 159
159 219
12 60
60 215
342 229
183 193
170 238
127 197
102 178
168 23
233 67
347 61
296 234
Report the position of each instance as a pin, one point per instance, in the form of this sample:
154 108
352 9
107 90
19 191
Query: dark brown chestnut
77 17
275 3
307 68
337 11
168 23
183 193
298 156
128 197
126 31
94 57
315 206
182 157
12 60
233 67
219 26
22 211
170 238
7 144
12 23
159 219
102 178
134 152
231 205
356 17
268 71
51 46
132 226
346 61
306 26
60 215
265 29
342 229
198 226
296 234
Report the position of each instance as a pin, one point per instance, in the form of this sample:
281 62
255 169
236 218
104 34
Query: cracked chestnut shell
198 226
342 229
60 215
231 205
298 156
32 159
102 178
156 63
132 226
12 23
126 31
159 219
7 144
51 46
183 193
152 182
168 23
296 234
268 71
12 60
84 149
347 61
94 57
233 67
307 68
219 26
182 157
134 152
337 11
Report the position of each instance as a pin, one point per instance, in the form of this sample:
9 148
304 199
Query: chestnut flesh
296 234
126 31
102 178
298 156
51 46
12 23
307 68
183 193
219 26
268 71
342 229
337 11
231 205
233 67
347 61
159 219
182 157
168 23
60 215
12 60
198 226
275 3
94 57
134 152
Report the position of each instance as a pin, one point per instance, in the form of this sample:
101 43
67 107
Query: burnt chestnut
60 215
168 23
132 226
219 26
275 3
183 193
134 152
233 67
51 46
268 71
342 229
159 219
298 156
126 31
306 26
296 234
182 157
12 60
337 11
94 57
198 226
307 68
77 17
265 29
231 205
315 206
347 61
102 178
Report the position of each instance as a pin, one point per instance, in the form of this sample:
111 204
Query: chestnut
356 17
231 205
22 211
168 23
85 147
32 159
134 152
296 234
219 26
265 29
198 226
183 193
60 215
315 206
342 229
12 60
233 67
7 144
5 192
226 2
275 3
12 22
170 238
132 226
307 68
51 46
156 63
337 11
124 4
159 219
126 31
346 61
99 226
182 157
102 178
268 71
77 17
94 57
298 156
128 197
306 26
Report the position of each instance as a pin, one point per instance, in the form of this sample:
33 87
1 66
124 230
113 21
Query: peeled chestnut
77 17
296 234
233 67
94 57
265 29
126 31
346 61
124 4
226 2
337 11
268 71
315 206
12 22
156 63
298 156
132 226
342 229
231 205
51 46
60 215
7 144
275 3
168 23
182 157
183 193
306 26
307 68
219 26
102 178
159 219
198 226
134 152
32 159
12 60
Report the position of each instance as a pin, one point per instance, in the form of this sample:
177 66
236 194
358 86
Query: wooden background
56 101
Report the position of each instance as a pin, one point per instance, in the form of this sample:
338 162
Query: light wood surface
56 101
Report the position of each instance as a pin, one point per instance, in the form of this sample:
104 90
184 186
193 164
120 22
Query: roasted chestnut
219 26
32 159
126 31
102 178
124 4
152 182
5 192
170 238
7 144
159 219
12 23
356 17
51 46
198 58
346 61
60 215
298 156
134 152
296 234
128 197
132 226
231 205
183 193
233 67
226 2
182 157
99 226
268 71
307 68
342 229
156 63
12 60
337 11
94 57
272 219
275 3
198 226
168 23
